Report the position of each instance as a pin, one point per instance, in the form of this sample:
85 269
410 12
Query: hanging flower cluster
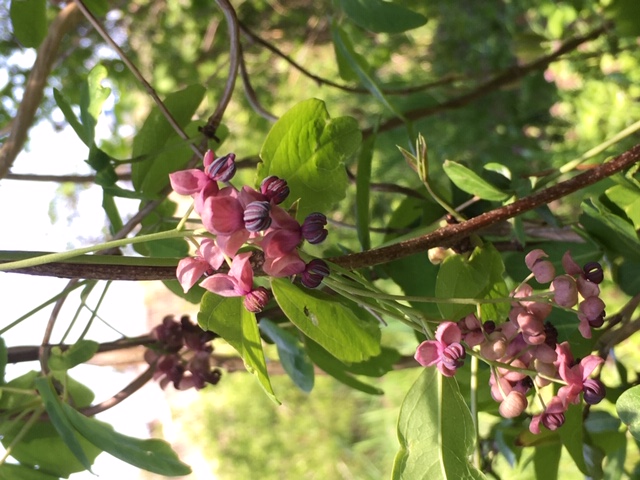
524 351
241 217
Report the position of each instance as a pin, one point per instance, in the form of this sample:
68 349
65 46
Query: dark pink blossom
543 270
208 257
237 283
445 352
574 374
552 417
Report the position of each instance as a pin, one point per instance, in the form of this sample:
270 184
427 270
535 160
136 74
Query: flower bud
495 347
565 291
256 300
314 272
592 308
256 216
453 356
543 270
313 229
222 169
275 189
513 405
593 272
594 391
553 421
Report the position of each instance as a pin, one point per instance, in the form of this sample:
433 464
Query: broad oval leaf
153 455
469 181
379 16
227 317
328 322
435 431
293 357
29 21
628 408
307 148
9 471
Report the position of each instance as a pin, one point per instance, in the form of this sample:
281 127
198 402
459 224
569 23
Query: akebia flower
445 352
314 272
313 229
274 189
221 169
257 216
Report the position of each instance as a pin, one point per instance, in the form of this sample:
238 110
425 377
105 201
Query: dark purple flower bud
256 300
256 216
598 321
275 189
593 272
551 335
453 356
594 391
314 272
222 169
195 338
489 326
553 421
313 229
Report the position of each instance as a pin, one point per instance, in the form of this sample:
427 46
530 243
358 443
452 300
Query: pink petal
188 182
222 215
569 264
277 243
210 190
448 333
584 327
242 271
589 364
211 253
428 353
230 244
222 284
189 271
284 266
533 257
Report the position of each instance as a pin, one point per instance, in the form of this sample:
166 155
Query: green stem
58 257
23 431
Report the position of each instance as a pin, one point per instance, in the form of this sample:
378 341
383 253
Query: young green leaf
29 21
227 317
628 408
382 17
293 357
153 455
469 181
70 117
10 471
308 149
328 322
92 97
60 421
435 431
338 370
78 353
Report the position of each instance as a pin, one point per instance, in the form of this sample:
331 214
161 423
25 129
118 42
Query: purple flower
221 169
256 216
314 272
445 352
313 229
274 189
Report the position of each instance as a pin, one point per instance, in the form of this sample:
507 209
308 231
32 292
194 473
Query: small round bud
543 270
553 421
513 405
593 272
222 169
314 272
256 300
592 308
565 291
313 229
275 189
594 391
257 216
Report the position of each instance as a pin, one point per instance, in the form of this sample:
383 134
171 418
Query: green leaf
628 200
615 233
376 366
379 16
70 117
194 295
228 318
628 408
363 187
477 277
338 370
98 7
293 357
546 461
29 21
627 277
308 149
60 421
153 455
78 353
92 97
360 68
469 181
328 322
156 132
43 448
626 15
21 472
572 437
435 431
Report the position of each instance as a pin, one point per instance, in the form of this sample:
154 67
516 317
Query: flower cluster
241 217
182 354
524 351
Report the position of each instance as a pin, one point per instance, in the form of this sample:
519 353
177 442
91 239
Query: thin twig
34 87
209 130
250 93
136 73
28 177
504 78
325 81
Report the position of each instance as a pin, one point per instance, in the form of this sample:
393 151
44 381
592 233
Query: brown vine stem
505 78
34 88
451 234
136 73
